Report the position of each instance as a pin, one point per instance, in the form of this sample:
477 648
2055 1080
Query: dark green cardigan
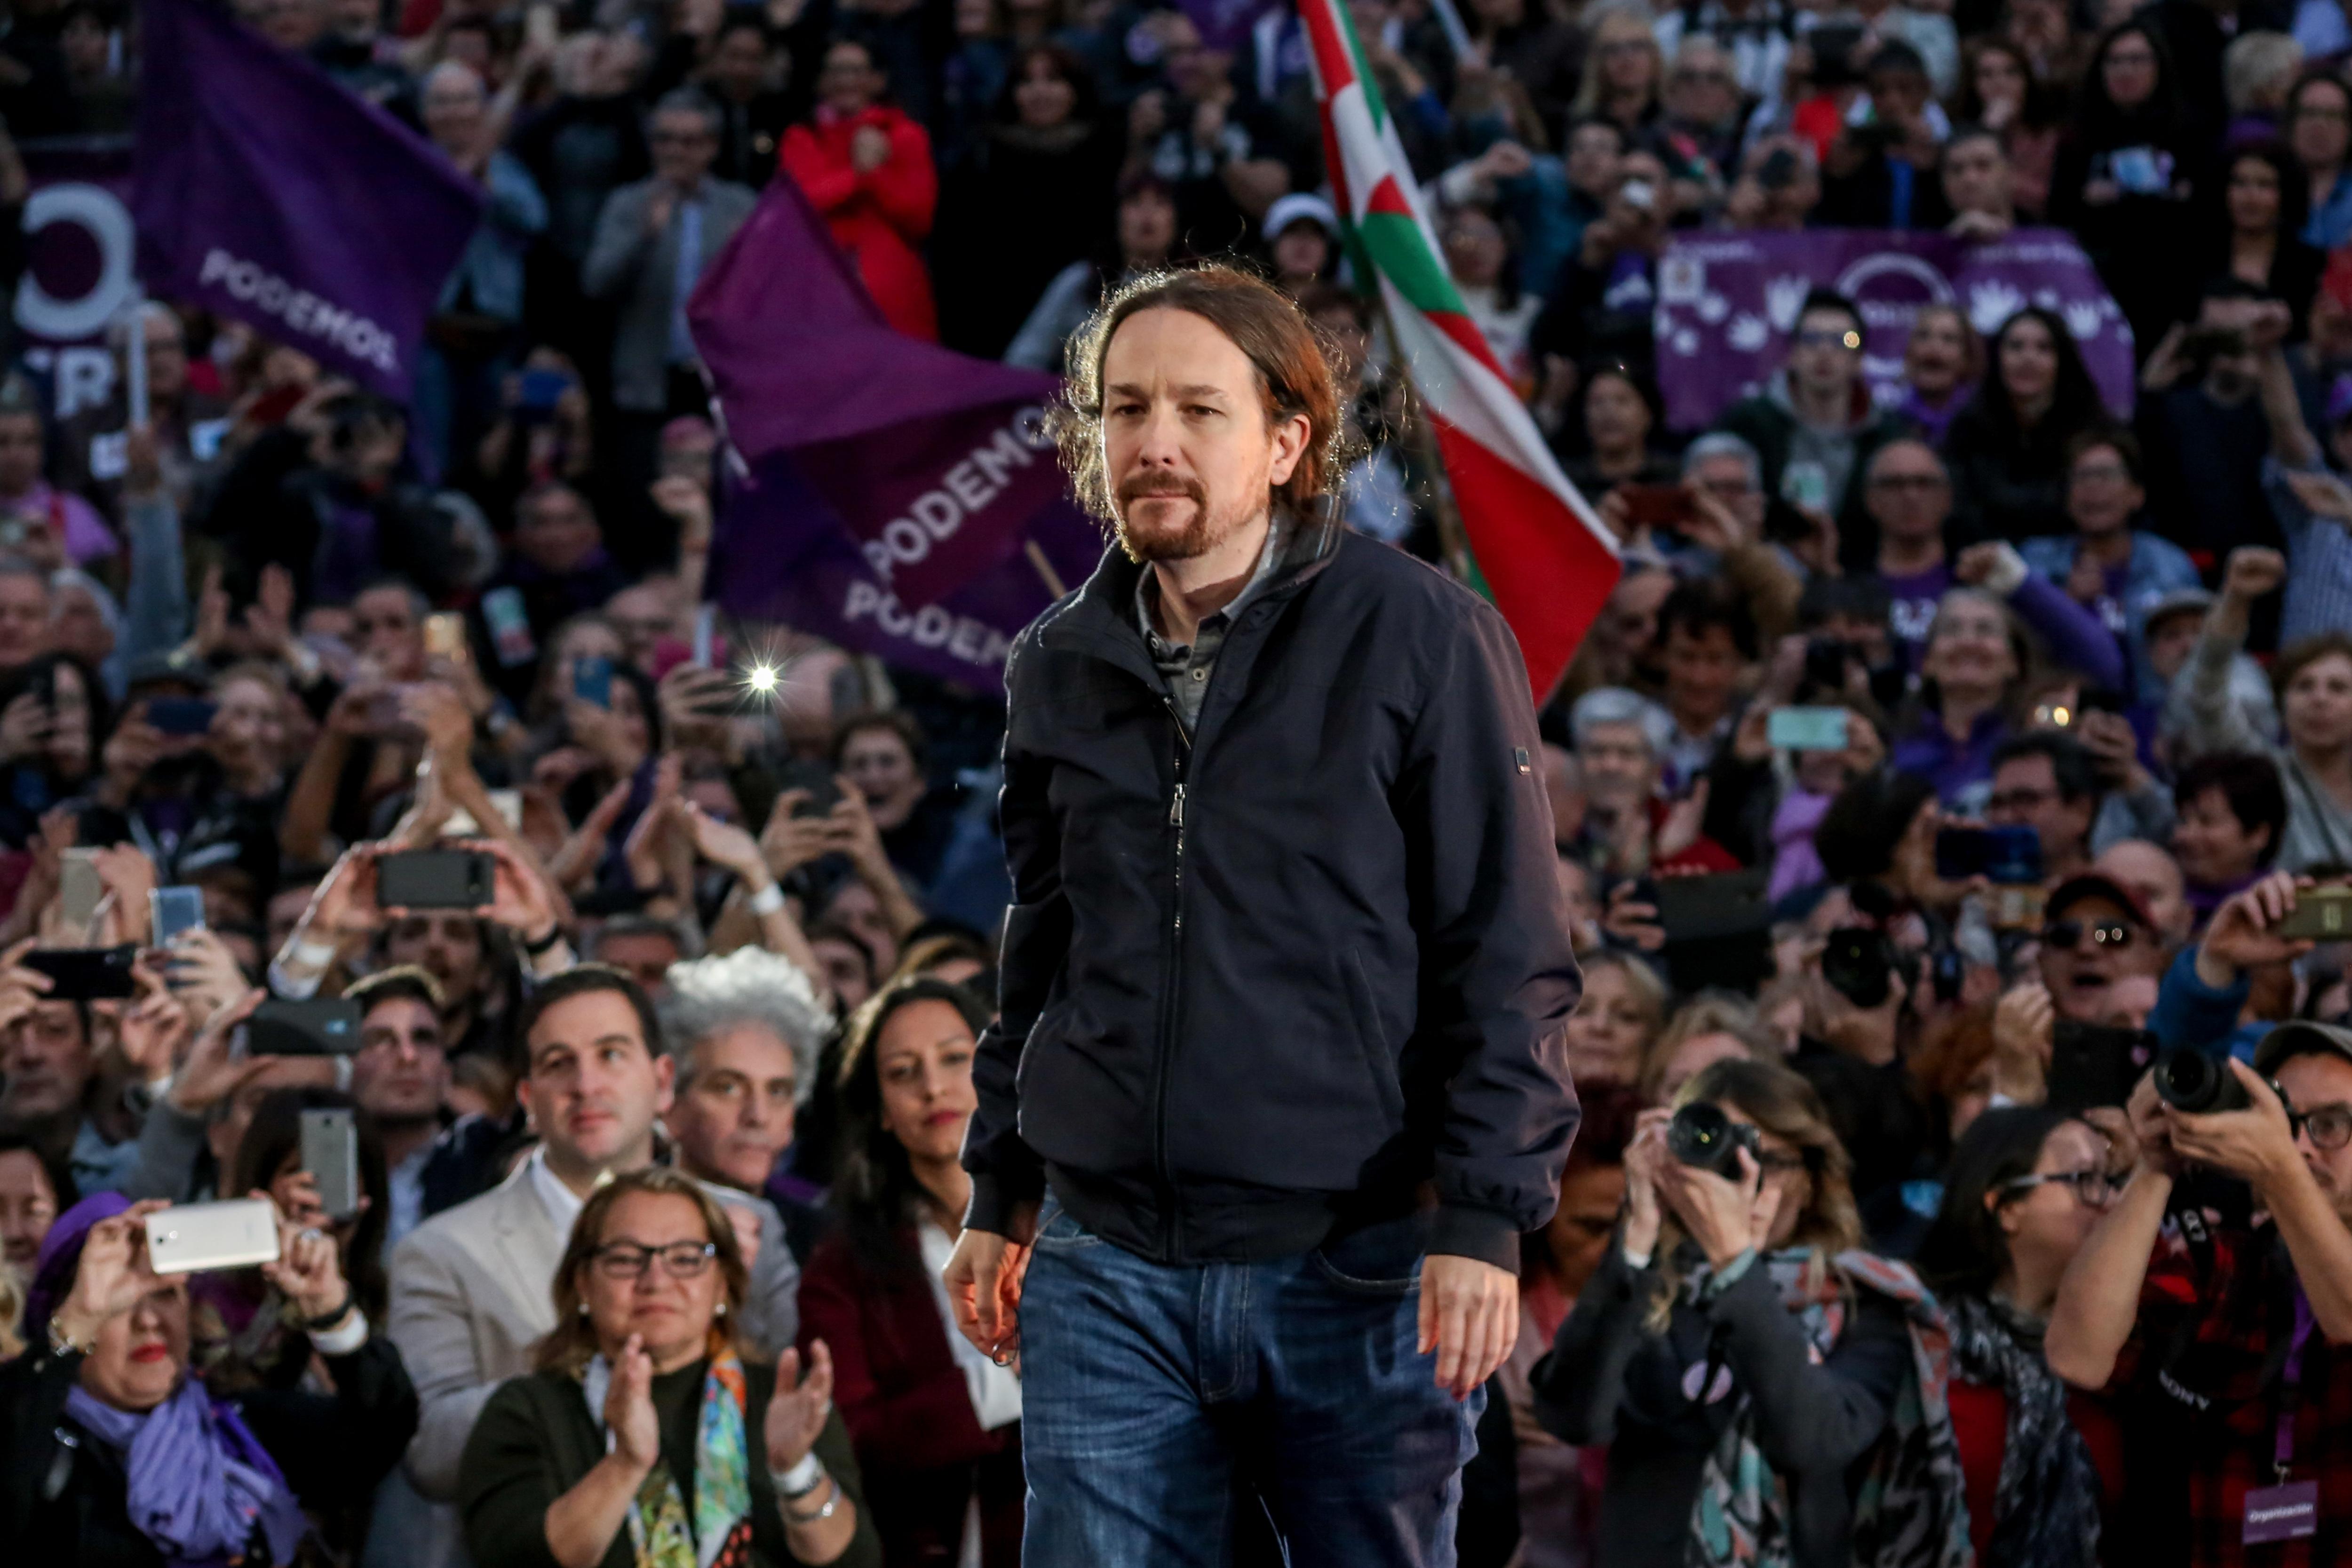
535 1440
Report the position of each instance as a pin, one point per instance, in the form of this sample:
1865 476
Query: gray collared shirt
1186 669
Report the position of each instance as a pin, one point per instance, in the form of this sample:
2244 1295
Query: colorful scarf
2046 1503
197 1483
718 1534
1911 1510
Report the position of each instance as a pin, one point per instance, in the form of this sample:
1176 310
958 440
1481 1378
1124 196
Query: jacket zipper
1175 969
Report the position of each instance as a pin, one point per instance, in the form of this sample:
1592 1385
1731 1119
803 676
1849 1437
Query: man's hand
2253 569
1469 1316
209 1075
2024 1022
2256 1144
984 1280
687 504
2325 494
2244 933
869 149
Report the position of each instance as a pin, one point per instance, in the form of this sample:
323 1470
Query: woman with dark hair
2259 240
645 1439
936 1423
1034 194
2025 1187
1617 412
35 1186
1999 91
2125 177
240 1338
2317 125
1759 1379
54 721
2007 448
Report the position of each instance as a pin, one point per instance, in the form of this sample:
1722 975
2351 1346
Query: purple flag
1224 23
268 193
1727 302
937 464
781 554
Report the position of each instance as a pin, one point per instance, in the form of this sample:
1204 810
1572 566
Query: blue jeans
1157 1400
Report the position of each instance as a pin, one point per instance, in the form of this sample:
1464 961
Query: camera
1860 964
1702 1137
2189 1080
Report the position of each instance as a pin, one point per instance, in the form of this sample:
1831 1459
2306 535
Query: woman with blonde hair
1768 1390
645 1440
1624 69
1619 1014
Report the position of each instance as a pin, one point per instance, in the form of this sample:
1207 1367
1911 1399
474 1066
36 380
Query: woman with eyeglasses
1768 1390
2023 1190
645 1440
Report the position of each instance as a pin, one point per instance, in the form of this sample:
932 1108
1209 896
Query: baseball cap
2300 1039
2094 885
2198 599
1299 206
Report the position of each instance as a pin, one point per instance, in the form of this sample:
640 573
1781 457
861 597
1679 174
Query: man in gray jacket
653 240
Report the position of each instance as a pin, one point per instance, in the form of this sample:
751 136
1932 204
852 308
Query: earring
583 1309
722 1309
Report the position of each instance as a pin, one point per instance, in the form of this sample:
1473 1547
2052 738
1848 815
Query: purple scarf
198 1481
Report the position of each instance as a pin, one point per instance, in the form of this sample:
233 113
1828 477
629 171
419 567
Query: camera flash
762 678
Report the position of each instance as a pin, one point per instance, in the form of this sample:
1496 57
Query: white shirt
563 1205
995 1390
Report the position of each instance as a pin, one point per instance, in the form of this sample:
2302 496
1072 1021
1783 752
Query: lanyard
2290 1387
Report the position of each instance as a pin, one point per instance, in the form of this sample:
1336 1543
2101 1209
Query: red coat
880 217
920 1449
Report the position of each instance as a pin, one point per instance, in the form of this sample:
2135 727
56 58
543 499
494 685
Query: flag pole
134 358
1422 442
1044 568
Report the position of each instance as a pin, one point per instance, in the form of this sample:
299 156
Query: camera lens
2188 1079
1703 1138
1858 964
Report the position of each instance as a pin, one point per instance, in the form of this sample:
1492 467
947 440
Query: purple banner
1224 23
934 462
1727 302
781 553
80 252
266 192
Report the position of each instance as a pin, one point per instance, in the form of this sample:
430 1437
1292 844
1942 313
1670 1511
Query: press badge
2282 1513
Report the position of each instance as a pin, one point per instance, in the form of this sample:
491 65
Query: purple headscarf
199 1482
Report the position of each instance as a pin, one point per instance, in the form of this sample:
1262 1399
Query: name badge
2282 1513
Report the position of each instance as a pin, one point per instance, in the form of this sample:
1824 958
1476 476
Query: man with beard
1283 868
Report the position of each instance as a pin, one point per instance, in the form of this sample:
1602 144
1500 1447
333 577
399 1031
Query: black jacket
1275 980
62 1493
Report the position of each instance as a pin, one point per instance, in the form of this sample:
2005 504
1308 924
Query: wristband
539 946
801 1479
311 955
768 900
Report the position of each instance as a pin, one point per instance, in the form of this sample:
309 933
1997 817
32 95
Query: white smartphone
79 889
187 1238
330 1152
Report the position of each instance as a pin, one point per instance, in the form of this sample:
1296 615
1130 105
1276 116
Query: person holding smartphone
113 1449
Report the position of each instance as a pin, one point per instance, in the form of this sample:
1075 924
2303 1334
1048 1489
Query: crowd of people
1949 757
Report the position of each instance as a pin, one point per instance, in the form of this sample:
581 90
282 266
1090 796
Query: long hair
1294 377
2293 190
276 1132
875 1191
2035 113
2102 125
2074 397
1966 1250
1779 1102
572 1343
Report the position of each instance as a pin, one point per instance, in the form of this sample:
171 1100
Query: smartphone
182 715
172 911
1719 929
592 680
330 1152
444 635
322 1026
80 889
434 879
2320 914
1807 729
2142 171
1656 506
823 794
704 617
509 624
85 973
187 1238
541 389
2095 1064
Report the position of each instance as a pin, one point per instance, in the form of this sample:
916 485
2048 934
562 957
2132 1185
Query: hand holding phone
188 1237
1807 729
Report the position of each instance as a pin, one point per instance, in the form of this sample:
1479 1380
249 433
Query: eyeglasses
1918 484
2329 1127
2093 1187
1828 338
680 1260
2067 935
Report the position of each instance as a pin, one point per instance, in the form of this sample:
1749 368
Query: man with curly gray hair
744 1031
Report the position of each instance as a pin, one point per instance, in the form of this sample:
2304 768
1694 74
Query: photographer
1748 1365
2219 1341
2203 998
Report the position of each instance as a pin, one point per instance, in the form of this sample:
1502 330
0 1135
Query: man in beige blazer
471 1287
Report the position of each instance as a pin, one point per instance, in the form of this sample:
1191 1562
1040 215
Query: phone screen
176 909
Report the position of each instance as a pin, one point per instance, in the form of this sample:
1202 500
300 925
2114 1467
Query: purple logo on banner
781 554
1727 304
1224 23
268 193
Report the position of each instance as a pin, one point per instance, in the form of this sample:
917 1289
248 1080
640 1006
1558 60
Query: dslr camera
1702 1137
